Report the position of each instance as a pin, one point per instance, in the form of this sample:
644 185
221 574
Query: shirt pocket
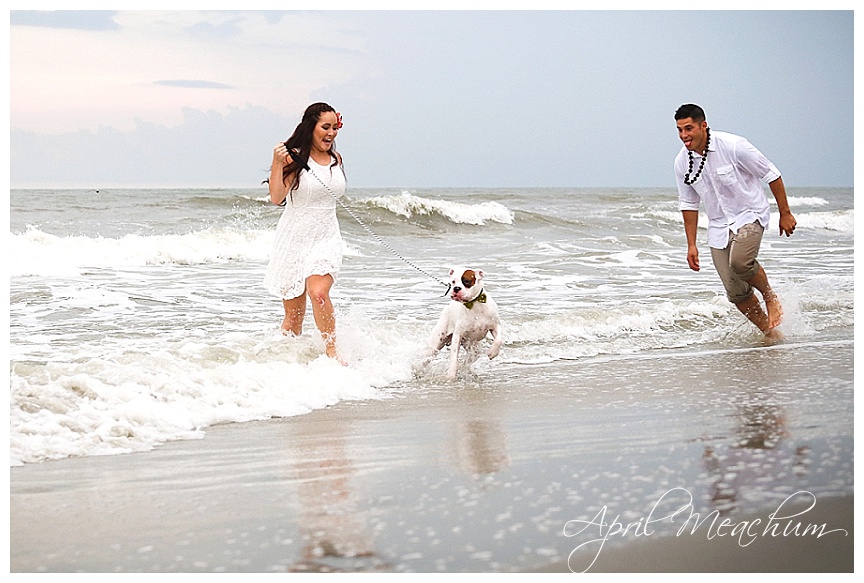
700 187
726 175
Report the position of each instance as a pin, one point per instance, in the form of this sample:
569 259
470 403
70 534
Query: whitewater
138 317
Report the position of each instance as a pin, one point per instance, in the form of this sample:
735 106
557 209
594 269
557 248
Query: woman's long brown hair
301 142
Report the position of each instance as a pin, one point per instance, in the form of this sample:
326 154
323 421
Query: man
726 172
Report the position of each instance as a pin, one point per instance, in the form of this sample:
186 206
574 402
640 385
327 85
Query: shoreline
477 476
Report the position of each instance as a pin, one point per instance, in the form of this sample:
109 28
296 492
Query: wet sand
480 476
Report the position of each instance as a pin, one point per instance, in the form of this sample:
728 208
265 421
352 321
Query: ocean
139 324
138 317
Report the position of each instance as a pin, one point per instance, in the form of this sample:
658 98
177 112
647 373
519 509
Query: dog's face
465 283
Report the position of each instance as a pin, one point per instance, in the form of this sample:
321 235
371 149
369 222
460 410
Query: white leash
361 223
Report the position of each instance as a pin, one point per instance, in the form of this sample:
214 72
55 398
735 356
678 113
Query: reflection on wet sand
333 533
480 442
481 446
336 528
759 452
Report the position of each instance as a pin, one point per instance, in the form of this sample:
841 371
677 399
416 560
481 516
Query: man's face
693 134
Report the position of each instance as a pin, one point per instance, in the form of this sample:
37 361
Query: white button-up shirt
730 185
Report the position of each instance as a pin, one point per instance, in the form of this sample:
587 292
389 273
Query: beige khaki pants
736 264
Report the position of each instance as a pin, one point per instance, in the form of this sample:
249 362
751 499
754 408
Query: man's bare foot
774 309
773 336
754 312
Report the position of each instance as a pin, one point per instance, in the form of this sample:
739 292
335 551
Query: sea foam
36 252
408 205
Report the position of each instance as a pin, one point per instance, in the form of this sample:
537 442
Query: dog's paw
493 352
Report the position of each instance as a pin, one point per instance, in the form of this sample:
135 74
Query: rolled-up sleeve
755 161
688 198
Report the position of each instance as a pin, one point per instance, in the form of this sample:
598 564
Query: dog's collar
480 298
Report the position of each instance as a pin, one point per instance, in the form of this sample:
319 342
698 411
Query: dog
466 320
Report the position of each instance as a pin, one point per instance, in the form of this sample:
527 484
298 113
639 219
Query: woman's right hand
280 155
278 189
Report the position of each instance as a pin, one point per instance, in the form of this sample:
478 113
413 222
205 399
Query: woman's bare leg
318 290
295 310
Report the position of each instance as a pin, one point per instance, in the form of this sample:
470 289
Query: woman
307 253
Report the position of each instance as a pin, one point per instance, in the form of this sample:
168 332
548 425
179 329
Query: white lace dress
308 241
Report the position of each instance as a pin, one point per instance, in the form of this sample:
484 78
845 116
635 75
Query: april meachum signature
778 523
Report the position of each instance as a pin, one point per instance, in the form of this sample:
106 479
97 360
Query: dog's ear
480 274
451 271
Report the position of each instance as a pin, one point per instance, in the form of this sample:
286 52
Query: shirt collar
712 144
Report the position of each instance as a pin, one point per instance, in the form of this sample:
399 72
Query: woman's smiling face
325 132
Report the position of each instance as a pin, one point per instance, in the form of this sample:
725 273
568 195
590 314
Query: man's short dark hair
690 110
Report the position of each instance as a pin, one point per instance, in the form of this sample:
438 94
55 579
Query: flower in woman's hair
338 121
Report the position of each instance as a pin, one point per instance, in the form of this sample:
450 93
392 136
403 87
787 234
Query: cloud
69 19
437 98
113 78
207 30
192 84
208 149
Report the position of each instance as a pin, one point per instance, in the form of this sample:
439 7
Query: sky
429 98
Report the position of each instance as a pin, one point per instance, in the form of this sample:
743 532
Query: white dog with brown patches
466 320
